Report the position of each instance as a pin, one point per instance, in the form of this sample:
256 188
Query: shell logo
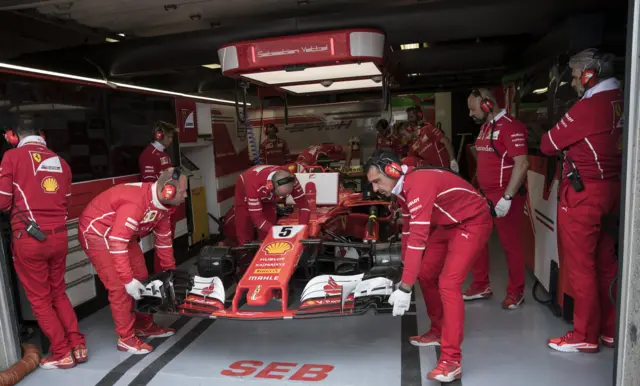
277 247
50 185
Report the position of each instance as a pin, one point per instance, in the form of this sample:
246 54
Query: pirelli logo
270 270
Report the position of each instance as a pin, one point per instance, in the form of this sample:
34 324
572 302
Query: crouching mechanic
446 222
38 195
109 231
256 192
589 135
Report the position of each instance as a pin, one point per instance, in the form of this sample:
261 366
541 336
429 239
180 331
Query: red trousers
589 255
156 261
510 231
446 263
245 228
120 301
41 267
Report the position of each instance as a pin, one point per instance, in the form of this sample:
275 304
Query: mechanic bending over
502 158
109 231
274 150
446 222
38 195
256 192
589 135
429 143
153 160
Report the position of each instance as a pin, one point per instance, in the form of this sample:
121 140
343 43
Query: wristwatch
507 197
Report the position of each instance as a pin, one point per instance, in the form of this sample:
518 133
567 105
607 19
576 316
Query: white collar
501 114
32 139
270 176
398 188
158 145
605 85
154 197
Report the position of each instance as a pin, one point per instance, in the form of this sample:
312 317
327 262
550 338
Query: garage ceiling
165 43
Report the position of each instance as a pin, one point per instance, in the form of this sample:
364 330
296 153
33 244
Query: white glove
502 208
400 301
135 289
454 166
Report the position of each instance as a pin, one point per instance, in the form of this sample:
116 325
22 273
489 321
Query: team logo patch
50 185
150 216
277 247
37 157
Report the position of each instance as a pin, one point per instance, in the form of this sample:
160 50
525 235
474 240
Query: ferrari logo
37 157
277 247
50 185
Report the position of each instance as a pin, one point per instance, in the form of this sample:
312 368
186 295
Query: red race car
345 262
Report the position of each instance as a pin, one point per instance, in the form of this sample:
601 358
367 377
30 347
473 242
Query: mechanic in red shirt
589 135
153 161
109 231
502 155
446 222
386 139
429 142
39 192
274 150
256 192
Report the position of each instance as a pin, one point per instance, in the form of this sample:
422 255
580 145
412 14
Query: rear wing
327 187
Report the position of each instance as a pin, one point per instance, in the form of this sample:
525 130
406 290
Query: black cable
535 296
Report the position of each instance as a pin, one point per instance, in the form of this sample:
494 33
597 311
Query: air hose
20 369
251 139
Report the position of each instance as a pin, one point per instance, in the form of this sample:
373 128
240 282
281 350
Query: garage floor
501 348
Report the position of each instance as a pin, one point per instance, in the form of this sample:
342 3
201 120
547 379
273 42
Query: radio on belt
573 175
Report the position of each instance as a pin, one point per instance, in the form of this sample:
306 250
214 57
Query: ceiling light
541 90
104 82
311 74
121 34
109 40
334 86
410 46
212 66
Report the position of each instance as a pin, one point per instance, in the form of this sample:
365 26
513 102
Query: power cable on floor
535 296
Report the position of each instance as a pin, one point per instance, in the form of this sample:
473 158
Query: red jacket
427 146
251 192
274 152
390 141
118 216
510 140
40 189
311 154
591 133
429 198
152 161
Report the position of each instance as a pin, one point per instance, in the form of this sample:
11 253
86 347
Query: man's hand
135 289
453 164
400 300
503 206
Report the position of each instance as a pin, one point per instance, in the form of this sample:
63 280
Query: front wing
181 293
